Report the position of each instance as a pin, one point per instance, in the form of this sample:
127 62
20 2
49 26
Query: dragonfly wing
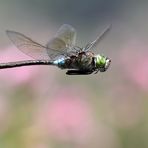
93 44
64 39
67 33
28 46
57 44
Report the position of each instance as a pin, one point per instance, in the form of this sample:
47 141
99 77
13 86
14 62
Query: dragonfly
61 51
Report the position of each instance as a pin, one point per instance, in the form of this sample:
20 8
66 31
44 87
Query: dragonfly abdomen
60 63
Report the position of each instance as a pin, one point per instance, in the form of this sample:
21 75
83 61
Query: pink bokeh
67 117
16 76
134 58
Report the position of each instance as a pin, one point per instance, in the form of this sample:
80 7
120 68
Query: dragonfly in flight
61 51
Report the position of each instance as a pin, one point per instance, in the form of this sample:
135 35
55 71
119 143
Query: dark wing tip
12 35
109 26
9 32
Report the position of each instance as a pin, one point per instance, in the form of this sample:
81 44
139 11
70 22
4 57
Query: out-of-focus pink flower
135 61
68 116
15 75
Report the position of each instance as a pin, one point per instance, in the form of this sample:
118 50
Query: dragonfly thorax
80 61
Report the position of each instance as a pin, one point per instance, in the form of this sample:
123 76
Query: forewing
93 44
28 46
64 39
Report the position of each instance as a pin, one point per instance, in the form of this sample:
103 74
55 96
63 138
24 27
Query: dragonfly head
102 63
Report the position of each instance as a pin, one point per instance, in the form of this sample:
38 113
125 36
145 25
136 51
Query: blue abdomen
60 62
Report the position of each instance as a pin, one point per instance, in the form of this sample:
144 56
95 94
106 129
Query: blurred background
41 107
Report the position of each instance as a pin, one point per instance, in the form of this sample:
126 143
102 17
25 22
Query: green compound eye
100 61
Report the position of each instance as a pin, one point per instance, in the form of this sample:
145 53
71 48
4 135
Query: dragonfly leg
96 71
78 72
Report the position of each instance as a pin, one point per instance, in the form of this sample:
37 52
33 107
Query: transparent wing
93 44
29 47
64 39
